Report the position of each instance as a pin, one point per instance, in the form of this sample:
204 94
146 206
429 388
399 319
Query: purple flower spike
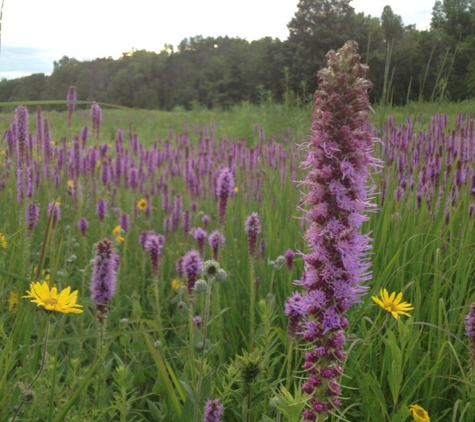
103 275
470 330
96 115
224 189
192 265
200 236
21 118
124 221
71 96
53 207
213 411
83 225
289 258
252 228
154 246
32 214
339 155
216 239
101 208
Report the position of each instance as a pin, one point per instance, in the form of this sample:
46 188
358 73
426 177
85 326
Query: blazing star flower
142 205
52 301
252 227
101 208
53 207
192 265
117 232
224 189
213 411
392 303
83 225
419 414
32 214
103 278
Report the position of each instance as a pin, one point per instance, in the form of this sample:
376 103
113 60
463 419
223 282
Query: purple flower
124 221
96 115
32 214
101 208
200 236
53 207
224 189
21 118
103 279
216 239
192 265
252 227
83 225
289 258
71 96
339 154
179 268
154 246
205 221
213 411
197 321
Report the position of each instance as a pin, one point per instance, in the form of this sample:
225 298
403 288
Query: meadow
196 312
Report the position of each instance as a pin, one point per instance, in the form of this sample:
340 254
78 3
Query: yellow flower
176 284
393 303
70 184
13 301
236 189
51 300
98 163
117 232
3 241
419 414
142 204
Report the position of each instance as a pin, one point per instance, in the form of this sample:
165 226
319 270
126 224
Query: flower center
50 301
391 307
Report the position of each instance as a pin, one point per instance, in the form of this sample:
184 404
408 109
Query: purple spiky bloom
205 221
470 331
252 227
179 268
53 207
124 221
213 411
186 221
197 321
339 155
200 236
192 265
224 189
154 246
96 115
21 119
103 279
289 255
71 96
143 238
32 213
216 239
101 208
83 225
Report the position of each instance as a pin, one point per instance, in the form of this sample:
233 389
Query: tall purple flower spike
224 189
339 155
103 279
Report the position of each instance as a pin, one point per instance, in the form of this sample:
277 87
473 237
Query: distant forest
406 64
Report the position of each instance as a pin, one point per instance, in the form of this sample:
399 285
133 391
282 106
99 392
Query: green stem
252 301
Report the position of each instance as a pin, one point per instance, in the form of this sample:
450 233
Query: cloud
16 62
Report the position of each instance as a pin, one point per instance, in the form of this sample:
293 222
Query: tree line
406 64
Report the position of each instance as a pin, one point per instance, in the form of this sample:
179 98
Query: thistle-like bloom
101 208
71 96
213 411
339 155
192 265
216 239
63 302
224 189
83 225
103 275
53 207
392 303
419 414
252 227
32 214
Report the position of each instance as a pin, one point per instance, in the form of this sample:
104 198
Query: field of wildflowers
187 276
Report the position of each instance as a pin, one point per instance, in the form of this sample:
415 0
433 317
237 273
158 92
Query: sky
35 33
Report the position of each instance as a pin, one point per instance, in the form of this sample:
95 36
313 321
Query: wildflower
32 214
53 207
192 265
176 284
13 301
154 246
71 96
96 114
83 225
200 236
117 232
124 220
392 303
470 330
252 228
338 158
101 208
289 258
213 411
63 302
3 241
224 189
419 414
103 275
142 205
216 239
197 321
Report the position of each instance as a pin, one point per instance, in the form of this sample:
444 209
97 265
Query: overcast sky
37 32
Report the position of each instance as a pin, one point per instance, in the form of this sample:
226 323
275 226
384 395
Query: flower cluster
339 154
104 275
